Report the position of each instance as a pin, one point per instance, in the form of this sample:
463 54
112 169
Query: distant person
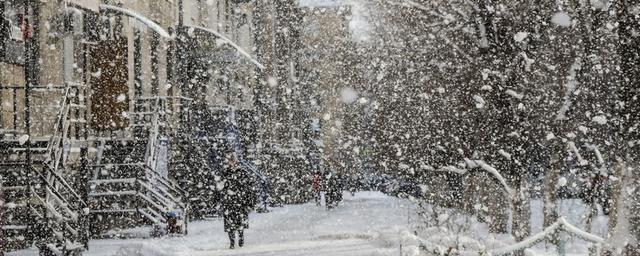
238 200
315 188
334 191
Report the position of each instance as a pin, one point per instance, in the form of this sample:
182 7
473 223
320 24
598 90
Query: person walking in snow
334 193
238 200
315 187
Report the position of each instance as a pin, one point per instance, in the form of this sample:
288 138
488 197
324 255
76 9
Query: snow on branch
488 168
570 86
571 229
139 17
560 225
574 149
528 242
472 164
596 150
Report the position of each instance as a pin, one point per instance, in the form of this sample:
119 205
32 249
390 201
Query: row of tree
526 86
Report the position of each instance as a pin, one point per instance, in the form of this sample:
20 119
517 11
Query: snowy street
368 224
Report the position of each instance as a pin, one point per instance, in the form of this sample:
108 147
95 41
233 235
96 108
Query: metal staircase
130 181
16 221
40 207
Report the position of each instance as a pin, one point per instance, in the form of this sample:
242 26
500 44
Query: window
14 29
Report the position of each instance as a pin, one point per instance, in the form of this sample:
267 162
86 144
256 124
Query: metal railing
154 194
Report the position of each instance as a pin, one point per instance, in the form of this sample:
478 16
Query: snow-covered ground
368 223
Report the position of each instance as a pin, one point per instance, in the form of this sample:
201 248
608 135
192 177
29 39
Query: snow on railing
560 225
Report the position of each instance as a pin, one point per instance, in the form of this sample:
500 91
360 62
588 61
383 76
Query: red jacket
315 183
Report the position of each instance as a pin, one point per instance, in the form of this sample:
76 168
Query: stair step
113 193
140 125
110 181
14 227
114 211
24 149
13 188
141 113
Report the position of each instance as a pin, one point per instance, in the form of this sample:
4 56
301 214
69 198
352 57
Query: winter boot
240 238
232 239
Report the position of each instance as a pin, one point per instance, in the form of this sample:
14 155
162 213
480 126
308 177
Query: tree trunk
624 224
549 192
521 228
497 202
550 196
522 210
624 221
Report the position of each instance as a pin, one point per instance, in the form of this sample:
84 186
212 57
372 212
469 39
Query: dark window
155 79
91 28
11 33
137 67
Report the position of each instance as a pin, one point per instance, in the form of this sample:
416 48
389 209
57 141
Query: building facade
86 85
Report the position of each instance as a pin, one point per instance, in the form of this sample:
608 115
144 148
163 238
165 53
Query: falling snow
319 127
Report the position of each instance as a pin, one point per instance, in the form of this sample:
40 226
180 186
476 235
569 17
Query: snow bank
141 249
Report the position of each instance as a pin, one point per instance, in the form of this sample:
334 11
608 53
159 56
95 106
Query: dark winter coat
238 200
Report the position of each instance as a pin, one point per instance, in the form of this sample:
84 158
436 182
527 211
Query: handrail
53 149
153 136
159 195
61 114
66 186
64 183
254 170
166 182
